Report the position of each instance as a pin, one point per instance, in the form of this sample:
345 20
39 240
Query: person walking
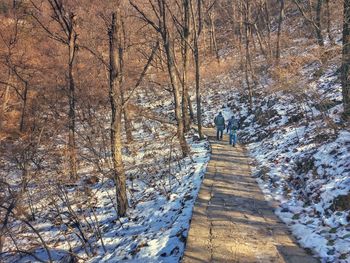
229 124
233 127
220 125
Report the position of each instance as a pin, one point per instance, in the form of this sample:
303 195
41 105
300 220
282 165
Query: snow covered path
232 222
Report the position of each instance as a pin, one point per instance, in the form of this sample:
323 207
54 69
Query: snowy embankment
79 221
157 226
304 163
302 153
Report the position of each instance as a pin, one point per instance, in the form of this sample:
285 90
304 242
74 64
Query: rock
319 138
326 105
262 135
271 103
341 203
285 210
263 118
91 180
195 138
295 118
263 173
304 165
70 258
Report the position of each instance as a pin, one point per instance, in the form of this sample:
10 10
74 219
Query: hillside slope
300 144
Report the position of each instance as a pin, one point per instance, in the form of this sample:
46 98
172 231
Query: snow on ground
158 225
79 220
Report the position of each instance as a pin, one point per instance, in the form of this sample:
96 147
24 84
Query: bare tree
115 96
315 20
210 14
346 59
22 94
67 35
186 103
18 76
161 26
123 47
247 33
329 17
197 30
279 30
119 95
265 10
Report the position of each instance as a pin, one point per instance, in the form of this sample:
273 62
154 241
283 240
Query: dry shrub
2 125
9 125
329 54
213 68
285 76
288 74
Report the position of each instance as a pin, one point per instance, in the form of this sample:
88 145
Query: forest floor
232 221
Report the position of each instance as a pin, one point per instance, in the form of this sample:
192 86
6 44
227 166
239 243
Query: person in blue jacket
233 127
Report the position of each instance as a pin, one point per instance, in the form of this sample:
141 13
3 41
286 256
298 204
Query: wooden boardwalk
232 222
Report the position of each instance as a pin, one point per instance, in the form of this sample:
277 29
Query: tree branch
145 18
154 50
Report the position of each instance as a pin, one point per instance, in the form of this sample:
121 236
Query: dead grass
212 68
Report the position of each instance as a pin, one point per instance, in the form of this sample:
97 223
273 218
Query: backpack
234 124
219 120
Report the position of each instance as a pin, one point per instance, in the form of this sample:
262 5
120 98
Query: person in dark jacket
220 125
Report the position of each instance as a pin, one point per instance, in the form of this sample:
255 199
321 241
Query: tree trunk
213 42
122 47
176 92
24 106
116 120
198 92
197 29
328 12
128 125
240 42
233 21
71 98
268 27
190 106
247 52
346 60
318 27
260 40
6 98
185 102
185 58
279 30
